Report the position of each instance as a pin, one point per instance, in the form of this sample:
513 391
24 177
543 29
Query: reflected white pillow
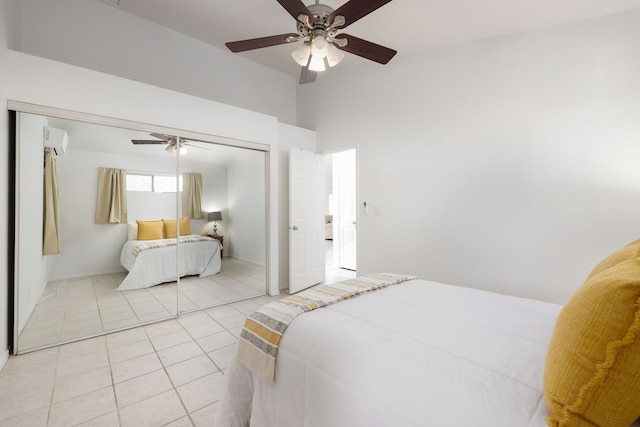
132 231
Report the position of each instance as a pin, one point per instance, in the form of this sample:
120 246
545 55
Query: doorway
340 225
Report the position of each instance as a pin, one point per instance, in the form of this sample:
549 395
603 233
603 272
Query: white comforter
159 265
416 354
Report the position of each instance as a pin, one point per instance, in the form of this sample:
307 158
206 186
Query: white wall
32 268
288 136
509 164
214 201
100 37
246 216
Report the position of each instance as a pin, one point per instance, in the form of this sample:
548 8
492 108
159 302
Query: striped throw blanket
260 337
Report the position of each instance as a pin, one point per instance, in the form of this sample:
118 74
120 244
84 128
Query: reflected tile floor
169 373
76 308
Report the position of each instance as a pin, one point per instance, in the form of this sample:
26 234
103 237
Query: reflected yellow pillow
150 230
632 250
592 371
170 227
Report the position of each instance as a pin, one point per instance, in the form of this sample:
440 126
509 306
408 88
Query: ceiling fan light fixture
335 56
301 54
171 148
317 63
183 150
319 46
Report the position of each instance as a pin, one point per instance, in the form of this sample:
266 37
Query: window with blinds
155 183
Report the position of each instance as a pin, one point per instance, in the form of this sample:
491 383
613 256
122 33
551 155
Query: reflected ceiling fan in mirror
317 26
174 143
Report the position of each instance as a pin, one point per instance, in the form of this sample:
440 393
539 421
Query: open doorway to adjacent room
340 227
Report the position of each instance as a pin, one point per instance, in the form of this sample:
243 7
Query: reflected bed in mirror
74 294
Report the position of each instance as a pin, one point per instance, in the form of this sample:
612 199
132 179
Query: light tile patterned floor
169 373
165 374
86 306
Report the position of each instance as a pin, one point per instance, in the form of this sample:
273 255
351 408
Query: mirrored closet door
117 228
233 201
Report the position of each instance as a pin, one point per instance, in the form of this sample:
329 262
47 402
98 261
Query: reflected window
153 183
166 184
139 182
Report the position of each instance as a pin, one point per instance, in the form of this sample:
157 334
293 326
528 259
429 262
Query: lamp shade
214 216
301 54
317 63
335 56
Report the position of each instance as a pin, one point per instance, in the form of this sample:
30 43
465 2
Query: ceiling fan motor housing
319 21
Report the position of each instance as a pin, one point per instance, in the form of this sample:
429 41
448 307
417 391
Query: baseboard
259 264
83 275
3 359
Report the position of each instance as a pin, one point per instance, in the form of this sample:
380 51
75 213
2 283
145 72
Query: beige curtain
192 195
112 196
50 224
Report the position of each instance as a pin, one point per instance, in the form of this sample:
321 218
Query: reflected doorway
340 225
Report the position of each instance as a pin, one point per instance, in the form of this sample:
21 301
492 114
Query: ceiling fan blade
147 141
160 136
356 9
259 43
295 8
307 76
366 49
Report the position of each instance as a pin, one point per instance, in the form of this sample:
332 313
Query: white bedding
159 265
417 354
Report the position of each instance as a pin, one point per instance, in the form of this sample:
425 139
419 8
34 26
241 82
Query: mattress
158 265
420 353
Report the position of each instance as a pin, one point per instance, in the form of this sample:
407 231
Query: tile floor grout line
216 315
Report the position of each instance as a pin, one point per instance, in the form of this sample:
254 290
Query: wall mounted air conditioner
56 140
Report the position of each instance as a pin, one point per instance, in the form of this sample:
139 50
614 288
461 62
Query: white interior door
344 168
306 255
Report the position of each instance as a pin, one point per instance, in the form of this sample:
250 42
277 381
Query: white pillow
132 231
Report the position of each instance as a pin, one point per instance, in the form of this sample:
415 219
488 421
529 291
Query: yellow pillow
592 371
170 227
628 252
150 230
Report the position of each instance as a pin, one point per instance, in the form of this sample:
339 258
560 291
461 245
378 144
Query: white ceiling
107 139
408 26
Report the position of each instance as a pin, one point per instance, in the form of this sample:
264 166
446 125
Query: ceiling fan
174 143
317 26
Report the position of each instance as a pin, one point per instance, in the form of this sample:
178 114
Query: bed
152 262
422 353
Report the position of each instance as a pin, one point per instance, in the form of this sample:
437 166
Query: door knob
294 228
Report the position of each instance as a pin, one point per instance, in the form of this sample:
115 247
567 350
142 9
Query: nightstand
221 240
